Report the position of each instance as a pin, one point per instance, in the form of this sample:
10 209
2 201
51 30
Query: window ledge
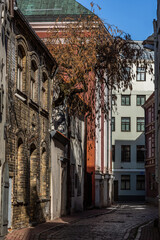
44 113
33 104
21 95
42 200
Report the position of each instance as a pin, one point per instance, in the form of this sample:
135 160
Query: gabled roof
50 10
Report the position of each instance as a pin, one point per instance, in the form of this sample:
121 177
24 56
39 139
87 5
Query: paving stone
96 224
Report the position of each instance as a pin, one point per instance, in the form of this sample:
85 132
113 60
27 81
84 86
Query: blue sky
132 16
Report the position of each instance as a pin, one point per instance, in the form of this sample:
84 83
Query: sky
134 17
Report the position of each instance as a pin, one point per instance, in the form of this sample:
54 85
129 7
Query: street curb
128 231
140 229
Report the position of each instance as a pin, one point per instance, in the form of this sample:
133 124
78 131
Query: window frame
141 73
140 96
113 124
125 124
140 124
20 67
125 97
34 69
140 181
126 182
124 153
140 152
113 153
44 100
114 99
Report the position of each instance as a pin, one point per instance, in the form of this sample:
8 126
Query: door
9 203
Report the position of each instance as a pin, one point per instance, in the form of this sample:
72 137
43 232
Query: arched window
43 175
21 65
20 69
44 92
34 73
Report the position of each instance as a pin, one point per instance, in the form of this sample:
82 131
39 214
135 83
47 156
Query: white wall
77 159
133 137
58 180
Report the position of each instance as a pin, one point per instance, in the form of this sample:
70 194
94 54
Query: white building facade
103 149
128 139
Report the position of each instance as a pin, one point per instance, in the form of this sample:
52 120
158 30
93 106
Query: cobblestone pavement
120 223
112 226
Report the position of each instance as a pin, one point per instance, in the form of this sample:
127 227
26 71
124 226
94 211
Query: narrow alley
122 221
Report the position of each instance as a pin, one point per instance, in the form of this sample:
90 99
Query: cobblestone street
119 222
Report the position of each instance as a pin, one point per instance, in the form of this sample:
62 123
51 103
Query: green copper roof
39 9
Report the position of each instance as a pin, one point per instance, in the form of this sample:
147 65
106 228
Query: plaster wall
77 159
58 180
132 138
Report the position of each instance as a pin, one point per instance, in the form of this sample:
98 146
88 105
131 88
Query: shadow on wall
140 141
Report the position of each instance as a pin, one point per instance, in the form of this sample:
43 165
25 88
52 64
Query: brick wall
27 137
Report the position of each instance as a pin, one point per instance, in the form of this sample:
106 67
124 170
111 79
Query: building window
44 91
125 182
149 147
149 115
114 100
140 183
140 124
125 124
141 100
113 124
141 74
20 70
33 80
140 153
113 153
125 100
125 153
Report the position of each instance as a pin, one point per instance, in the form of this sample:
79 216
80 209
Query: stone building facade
30 70
69 176
6 11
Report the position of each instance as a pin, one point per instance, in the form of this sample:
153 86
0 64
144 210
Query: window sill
21 95
44 113
34 105
42 200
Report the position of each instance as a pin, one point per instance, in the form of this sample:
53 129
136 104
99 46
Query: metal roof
39 10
